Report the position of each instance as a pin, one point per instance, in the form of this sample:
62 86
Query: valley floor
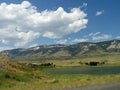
32 76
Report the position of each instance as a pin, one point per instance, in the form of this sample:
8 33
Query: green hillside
12 73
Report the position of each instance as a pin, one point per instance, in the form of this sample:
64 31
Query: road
107 86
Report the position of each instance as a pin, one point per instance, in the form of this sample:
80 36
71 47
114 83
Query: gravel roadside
106 86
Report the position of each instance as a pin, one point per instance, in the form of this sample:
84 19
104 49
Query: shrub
7 76
47 64
93 63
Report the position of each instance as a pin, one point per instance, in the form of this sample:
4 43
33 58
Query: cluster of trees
93 63
47 64
41 65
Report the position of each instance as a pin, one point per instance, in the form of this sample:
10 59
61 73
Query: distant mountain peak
60 51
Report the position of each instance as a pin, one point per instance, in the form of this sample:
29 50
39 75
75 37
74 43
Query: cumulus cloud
94 34
77 40
99 37
63 41
84 5
33 45
5 48
99 13
21 23
118 37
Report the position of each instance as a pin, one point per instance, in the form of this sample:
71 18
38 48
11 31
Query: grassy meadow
63 81
109 60
27 77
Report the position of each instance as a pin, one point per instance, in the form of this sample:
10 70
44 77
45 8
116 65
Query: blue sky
37 22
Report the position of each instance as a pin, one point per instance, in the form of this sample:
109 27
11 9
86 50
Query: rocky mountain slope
58 51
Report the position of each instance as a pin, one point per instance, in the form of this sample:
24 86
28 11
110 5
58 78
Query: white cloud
21 23
71 41
84 5
94 34
17 38
99 13
5 48
77 40
99 37
33 45
64 41
118 37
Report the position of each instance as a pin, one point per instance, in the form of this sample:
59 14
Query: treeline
35 65
93 63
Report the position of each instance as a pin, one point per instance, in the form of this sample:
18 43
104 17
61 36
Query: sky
30 23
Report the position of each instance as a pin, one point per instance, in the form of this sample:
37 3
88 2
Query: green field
61 81
109 59
30 76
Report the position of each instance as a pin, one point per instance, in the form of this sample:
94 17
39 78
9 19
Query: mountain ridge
60 51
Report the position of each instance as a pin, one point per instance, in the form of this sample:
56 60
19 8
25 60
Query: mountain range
60 51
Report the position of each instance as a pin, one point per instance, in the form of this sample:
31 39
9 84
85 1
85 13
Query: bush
93 63
47 64
7 76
